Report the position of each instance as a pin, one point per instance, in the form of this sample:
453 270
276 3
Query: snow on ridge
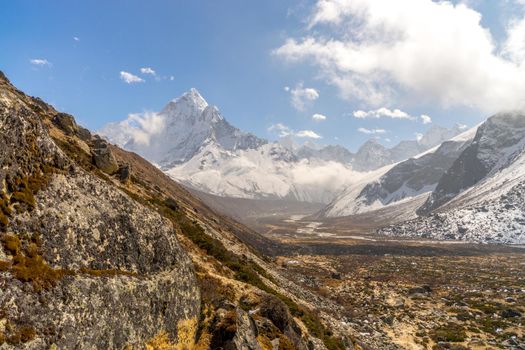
266 172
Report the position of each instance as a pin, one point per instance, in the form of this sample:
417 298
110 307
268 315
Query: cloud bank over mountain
419 51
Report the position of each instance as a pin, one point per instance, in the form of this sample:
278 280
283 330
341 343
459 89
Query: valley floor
408 294
401 293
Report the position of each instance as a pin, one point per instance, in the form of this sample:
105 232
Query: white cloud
425 119
383 113
425 51
308 133
514 45
284 131
138 128
326 175
147 70
172 78
419 136
40 62
371 131
130 78
76 38
302 97
318 117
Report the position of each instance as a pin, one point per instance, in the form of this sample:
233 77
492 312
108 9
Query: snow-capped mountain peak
371 155
188 105
437 134
182 128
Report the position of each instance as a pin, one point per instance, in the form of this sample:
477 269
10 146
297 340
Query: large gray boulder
104 158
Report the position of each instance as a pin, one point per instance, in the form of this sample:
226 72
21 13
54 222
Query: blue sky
247 57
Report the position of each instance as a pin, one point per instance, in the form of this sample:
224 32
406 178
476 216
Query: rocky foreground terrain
418 296
100 250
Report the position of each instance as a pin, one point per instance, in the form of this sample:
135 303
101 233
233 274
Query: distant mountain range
471 182
196 145
403 181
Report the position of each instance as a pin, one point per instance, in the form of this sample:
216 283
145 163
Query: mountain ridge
209 154
403 180
480 197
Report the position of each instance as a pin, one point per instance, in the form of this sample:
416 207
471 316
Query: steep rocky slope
403 181
100 249
497 142
480 197
77 251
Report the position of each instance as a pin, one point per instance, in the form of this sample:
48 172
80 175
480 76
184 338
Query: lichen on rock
118 272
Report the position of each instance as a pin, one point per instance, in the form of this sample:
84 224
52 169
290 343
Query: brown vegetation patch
28 264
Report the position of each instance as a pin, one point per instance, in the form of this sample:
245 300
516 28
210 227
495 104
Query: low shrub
449 333
28 264
11 244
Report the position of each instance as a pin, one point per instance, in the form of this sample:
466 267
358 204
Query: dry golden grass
186 334
264 342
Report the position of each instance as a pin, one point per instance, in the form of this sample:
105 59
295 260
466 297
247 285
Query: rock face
481 196
66 122
371 155
82 265
413 176
103 158
492 149
124 173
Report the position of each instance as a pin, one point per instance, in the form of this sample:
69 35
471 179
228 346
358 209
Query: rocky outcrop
66 122
492 149
103 157
82 264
